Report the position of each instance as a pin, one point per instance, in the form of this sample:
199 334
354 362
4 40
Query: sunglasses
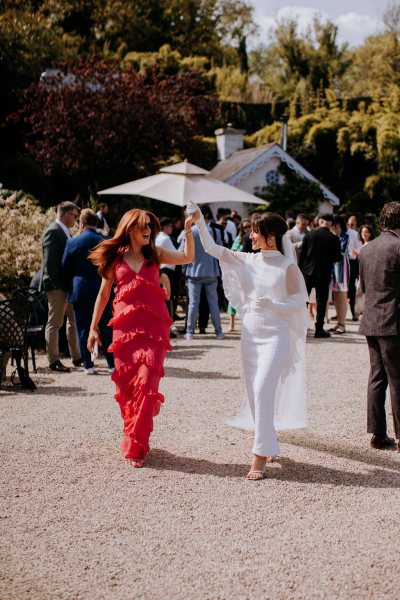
148 225
246 226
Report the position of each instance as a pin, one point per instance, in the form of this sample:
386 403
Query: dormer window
272 177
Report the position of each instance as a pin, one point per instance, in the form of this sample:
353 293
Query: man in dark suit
83 284
380 281
52 281
319 250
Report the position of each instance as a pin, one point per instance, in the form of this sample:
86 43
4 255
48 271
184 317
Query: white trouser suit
268 291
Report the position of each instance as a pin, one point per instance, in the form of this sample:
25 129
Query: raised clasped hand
192 210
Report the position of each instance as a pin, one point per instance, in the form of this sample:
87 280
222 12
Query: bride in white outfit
268 291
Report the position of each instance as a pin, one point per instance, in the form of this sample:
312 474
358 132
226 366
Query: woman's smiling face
257 240
140 236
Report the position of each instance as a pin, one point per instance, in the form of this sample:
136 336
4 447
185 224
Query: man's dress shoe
380 442
321 333
59 367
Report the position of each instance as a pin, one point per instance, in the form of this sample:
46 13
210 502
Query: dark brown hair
66 207
369 228
390 216
268 223
105 254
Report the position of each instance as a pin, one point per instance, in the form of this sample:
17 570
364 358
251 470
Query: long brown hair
268 223
104 255
242 231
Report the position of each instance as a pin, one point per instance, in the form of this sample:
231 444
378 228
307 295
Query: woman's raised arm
224 255
170 257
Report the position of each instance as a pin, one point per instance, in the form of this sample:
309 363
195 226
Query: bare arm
170 257
101 301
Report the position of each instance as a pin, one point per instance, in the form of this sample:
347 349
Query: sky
356 19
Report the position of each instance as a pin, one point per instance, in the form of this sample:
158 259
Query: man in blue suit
83 284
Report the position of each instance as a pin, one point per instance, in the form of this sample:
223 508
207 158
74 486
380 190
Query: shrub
22 224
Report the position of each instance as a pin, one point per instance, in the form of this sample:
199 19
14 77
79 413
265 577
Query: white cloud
304 16
353 27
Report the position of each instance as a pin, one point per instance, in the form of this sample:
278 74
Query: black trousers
204 311
173 277
321 286
353 276
384 356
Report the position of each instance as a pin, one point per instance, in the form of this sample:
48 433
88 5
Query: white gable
263 170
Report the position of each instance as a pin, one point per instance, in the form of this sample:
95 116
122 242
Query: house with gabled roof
254 169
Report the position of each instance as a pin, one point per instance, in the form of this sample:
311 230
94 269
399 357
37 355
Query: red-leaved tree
103 125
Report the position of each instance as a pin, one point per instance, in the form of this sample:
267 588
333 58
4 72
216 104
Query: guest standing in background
340 275
203 273
297 233
102 225
380 281
354 249
83 283
53 283
319 250
366 234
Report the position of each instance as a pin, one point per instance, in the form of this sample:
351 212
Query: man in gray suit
52 281
380 281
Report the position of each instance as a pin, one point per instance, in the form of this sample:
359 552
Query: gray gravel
80 523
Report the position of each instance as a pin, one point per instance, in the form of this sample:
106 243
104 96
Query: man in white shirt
355 245
297 233
164 240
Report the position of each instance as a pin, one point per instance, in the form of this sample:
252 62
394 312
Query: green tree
29 42
235 25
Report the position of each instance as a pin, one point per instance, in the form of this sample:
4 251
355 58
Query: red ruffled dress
141 326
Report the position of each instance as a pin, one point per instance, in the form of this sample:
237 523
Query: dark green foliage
102 125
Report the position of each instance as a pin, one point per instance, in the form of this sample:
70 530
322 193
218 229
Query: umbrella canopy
181 183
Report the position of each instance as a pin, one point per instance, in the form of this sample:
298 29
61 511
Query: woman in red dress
141 322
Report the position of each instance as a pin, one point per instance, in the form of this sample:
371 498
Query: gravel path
80 523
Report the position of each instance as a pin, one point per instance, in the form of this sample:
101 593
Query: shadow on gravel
186 345
312 473
342 339
289 470
166 461
369 457
43 390
180 373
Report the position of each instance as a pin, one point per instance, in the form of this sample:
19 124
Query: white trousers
264 346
